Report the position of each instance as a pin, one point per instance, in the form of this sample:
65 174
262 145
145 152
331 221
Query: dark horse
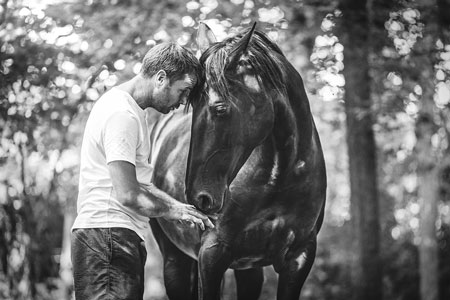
255 165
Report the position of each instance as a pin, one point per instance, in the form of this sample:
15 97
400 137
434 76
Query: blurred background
377 76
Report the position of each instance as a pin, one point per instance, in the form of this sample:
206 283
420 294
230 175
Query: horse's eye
220 110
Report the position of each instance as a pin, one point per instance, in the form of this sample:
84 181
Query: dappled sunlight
327 57
270 15
442 96
404 28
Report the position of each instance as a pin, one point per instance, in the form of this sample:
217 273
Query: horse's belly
267 241
250 262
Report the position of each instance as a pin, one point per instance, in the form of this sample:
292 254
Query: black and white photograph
224 149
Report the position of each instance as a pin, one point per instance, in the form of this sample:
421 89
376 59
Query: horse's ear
205 37
240 48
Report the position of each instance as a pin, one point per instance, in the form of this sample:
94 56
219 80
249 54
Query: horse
251 159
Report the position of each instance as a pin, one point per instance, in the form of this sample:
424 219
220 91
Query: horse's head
234 114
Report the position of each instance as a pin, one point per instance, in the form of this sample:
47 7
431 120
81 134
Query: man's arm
151 202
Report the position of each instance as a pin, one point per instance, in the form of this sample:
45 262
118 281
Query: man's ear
205 37
161 77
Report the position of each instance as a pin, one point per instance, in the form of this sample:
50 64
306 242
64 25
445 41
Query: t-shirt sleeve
120 137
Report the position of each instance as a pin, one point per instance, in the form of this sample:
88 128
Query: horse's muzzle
204 202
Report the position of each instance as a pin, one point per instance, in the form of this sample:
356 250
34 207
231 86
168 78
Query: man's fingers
198 222
202 226
203 219
197 213
192 217
192 221
209 223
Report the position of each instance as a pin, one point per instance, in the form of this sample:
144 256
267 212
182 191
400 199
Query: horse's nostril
204 202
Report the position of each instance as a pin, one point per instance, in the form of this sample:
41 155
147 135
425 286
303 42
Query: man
116 197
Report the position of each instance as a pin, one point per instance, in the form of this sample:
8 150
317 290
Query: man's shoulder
113 95
112 101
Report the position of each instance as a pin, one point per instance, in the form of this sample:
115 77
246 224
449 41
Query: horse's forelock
262 55
215 65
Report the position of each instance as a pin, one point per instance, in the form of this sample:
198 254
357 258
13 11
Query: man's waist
101 219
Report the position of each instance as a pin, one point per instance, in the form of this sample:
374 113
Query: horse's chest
264 241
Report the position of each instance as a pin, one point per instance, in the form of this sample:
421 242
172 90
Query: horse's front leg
180 271
213 260
294 272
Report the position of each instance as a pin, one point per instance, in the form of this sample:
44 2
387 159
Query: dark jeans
108 263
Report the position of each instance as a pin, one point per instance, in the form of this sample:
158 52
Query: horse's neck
292 134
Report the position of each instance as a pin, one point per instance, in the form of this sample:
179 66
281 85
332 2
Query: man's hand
187 213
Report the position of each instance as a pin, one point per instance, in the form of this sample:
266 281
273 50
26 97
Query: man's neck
139 89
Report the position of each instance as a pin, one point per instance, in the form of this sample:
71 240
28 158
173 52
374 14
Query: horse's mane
263 56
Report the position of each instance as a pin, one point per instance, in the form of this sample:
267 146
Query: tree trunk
427 173
427 168
428 248
354 35
380 66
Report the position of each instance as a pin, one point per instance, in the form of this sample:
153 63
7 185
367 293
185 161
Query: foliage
40 97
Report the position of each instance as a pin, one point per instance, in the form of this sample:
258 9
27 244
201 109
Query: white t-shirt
116 130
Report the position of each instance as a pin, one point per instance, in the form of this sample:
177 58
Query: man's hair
174 59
